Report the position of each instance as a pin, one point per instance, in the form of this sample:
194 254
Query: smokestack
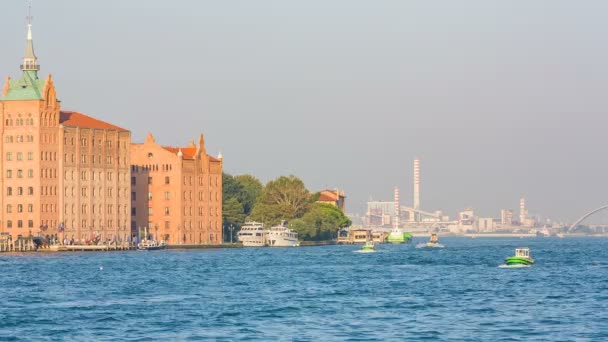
417 183
522 211
397 209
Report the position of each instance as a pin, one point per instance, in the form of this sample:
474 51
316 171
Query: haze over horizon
498 99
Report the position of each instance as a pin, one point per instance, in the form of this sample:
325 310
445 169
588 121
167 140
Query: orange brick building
176 193
62 172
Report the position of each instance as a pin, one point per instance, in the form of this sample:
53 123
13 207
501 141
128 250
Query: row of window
187 211
84 175
9 191
148 168
110 209
30 173
9 156
30 224
188 180
9 208
85 142
19 138
19 122
84 192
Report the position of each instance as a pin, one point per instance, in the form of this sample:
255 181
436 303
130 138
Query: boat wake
429 245
514 266
365 251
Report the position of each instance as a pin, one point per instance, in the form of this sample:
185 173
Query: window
167 211
167 195
150 155
19 156
30 190
167 180
133 211
133 196
19 208
84 158
9 156
20 191
30 173
20 224
150 211
9 224
133 181
30 224
110 192
9 173
9 208
109 176
30 156
149 180
19 173
167 224
30 208
9 191
149 196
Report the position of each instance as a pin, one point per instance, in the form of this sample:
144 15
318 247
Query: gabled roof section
75 119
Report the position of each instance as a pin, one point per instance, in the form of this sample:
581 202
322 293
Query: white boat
151 245
281 236
252 234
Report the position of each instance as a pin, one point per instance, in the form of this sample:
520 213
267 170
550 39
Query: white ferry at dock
252 234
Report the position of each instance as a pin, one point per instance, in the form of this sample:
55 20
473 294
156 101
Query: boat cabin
522 252
434 238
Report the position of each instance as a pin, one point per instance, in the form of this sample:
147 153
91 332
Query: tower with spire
46 151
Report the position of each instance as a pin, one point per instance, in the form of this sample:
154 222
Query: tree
233 213
251 190
285 198
322 222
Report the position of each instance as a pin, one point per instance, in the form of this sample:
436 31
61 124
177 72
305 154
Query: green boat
521 259
368 247
399 236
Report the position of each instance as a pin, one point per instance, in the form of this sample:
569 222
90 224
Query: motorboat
151 245
252 234
521 258
432 243
368 247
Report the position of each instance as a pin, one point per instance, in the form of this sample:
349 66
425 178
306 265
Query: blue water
311 294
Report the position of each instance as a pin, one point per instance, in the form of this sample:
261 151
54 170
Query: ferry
281 236
151 245
252 234
522 258
399 236
433 243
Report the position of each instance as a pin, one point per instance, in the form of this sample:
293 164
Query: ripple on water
311 294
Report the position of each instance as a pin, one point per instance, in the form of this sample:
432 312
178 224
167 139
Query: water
311 294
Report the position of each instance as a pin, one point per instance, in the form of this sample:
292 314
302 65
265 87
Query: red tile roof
188 152
75 119
327 196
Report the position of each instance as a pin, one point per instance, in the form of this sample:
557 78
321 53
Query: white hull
253 242
281 242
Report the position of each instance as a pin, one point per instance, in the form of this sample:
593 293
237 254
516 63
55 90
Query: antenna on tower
29 17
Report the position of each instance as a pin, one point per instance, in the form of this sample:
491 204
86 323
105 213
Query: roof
75 119
330 196
188 152
29 87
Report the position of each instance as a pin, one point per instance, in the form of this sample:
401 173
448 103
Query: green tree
285 198
250 191
321 222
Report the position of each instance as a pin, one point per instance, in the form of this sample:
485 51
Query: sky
498 99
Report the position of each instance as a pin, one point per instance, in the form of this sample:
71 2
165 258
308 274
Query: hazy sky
499 99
